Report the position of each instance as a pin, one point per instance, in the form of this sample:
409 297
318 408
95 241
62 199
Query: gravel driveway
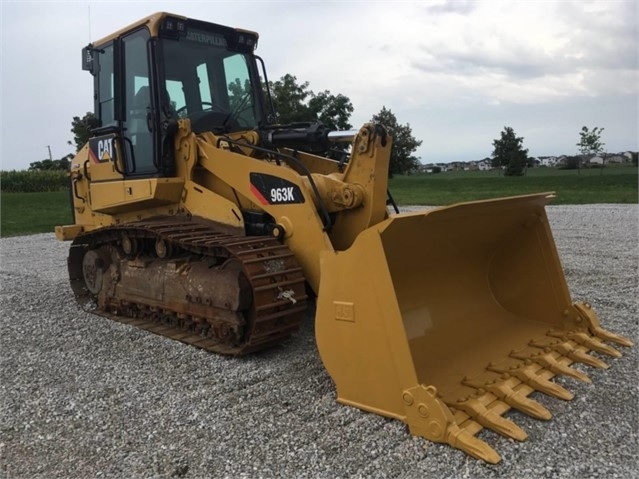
82 396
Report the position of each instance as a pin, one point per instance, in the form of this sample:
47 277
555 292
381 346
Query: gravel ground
82 396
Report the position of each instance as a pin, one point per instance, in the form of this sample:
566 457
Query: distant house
562 161
433 168
608 159
549 161
485 165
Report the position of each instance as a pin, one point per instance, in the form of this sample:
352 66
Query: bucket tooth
568 350
487 418
430 416
525 375
581 357
513 398
464 441
550 363
585 340
527 406
594 344
606 335
586 312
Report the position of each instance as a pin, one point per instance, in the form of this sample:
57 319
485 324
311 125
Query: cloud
533 57
460 7
457 71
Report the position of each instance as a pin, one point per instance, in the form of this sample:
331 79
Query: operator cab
165 68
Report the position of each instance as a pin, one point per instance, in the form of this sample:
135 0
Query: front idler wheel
94 265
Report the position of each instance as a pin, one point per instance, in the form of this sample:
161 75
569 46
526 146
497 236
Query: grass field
26 213
609 185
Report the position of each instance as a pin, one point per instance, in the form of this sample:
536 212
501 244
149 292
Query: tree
61 164
509 153
81 129
590 141
333 111
404 143
290 100
295 103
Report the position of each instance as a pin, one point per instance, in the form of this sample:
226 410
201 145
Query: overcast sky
457 71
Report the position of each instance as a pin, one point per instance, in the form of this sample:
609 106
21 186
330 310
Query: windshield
209 84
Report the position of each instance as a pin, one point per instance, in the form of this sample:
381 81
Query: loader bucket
447 318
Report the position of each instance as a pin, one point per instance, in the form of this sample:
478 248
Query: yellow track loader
199 218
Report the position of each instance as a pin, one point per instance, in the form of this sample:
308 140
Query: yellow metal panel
204 203
113 197
359 331
67 232
104 168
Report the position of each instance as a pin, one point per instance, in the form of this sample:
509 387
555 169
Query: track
187 281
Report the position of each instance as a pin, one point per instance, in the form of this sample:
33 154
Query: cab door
139 119
104 154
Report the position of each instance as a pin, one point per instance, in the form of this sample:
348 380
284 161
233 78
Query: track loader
199 218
